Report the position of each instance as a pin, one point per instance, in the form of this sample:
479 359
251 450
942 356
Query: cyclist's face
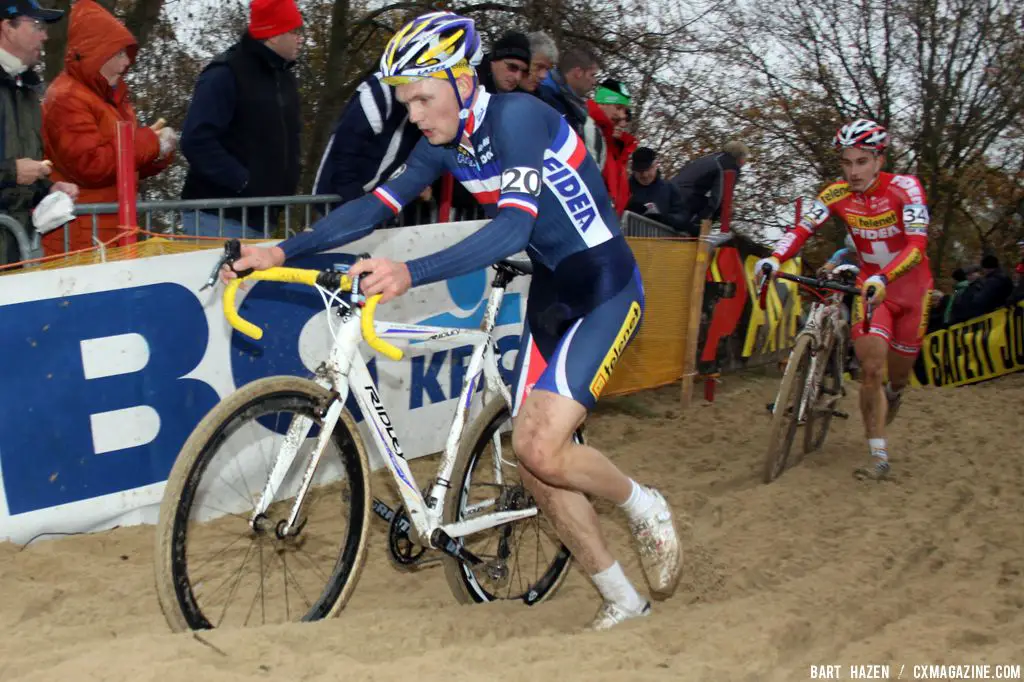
433 107
861 167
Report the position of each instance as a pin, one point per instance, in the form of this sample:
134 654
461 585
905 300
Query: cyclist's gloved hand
878 282
759 268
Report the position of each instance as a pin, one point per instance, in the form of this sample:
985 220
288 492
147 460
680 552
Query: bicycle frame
345 372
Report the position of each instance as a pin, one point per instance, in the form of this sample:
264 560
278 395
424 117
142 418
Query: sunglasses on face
515 67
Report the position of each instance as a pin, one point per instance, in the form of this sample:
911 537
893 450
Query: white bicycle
282 454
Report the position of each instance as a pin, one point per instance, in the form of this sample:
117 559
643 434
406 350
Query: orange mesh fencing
150 244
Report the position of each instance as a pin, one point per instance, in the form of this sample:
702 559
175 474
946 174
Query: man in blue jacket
371 140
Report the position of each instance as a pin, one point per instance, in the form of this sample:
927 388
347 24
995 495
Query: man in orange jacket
612 147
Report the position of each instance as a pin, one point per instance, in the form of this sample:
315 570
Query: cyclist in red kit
887 217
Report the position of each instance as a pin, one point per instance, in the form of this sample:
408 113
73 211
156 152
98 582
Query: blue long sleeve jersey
531 173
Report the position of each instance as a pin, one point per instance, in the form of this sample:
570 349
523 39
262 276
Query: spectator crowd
978 289
241 134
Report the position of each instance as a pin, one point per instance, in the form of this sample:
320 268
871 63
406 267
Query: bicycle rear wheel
829 391
523 560
213 568
785 418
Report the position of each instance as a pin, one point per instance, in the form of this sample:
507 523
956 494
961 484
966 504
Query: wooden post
700 271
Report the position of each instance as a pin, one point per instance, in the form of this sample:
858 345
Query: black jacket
702 184
241 134
666 199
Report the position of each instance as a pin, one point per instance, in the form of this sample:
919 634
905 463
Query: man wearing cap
241 134
650 194
23 173
507 64
611 145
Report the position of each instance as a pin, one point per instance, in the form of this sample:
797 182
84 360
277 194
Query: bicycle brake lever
232 252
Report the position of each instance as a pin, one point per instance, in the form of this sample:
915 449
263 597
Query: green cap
612 92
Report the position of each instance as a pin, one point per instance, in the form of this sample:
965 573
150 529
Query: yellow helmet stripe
442 46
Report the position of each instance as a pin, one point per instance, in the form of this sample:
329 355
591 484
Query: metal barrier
181 217
636 225
12 229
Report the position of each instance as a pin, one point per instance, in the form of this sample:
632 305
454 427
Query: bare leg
872 353
561 473
900 367
543 436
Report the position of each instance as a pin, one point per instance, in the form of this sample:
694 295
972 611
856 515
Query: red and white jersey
888 223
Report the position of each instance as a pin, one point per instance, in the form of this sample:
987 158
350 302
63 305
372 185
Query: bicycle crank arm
383 511
446 544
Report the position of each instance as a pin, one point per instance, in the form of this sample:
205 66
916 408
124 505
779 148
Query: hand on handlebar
874 290
255 258
382 276
766 266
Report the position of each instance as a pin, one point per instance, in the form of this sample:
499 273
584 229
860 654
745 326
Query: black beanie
512 45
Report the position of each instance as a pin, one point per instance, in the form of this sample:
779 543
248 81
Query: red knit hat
269 18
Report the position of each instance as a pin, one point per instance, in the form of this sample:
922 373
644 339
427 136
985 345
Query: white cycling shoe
611 614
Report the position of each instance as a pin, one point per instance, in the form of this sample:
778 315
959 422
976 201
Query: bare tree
943 75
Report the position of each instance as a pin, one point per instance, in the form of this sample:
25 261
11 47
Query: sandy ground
816 568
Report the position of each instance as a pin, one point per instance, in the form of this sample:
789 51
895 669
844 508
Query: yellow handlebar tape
307 277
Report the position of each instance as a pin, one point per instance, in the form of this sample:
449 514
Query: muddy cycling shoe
661 554
611 614
879 471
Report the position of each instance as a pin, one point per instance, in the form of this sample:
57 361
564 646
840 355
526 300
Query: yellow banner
773 328
981 348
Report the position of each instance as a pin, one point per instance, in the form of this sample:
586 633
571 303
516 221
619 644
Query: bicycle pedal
840 414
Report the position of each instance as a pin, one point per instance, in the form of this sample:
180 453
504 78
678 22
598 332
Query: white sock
878 448
639 503
615 587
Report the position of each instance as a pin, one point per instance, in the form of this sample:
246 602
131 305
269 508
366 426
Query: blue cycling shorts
578 362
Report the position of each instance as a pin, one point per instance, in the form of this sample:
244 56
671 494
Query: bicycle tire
830 383
790 393
174 590
461 580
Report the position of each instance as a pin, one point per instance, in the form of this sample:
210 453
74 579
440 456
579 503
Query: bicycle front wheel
220 564
786 413
523 560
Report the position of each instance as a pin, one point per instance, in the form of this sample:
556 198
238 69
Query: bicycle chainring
404 551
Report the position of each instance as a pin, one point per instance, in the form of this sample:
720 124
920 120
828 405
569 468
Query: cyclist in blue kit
545 195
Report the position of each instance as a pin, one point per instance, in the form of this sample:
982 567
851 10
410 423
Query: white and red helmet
864 134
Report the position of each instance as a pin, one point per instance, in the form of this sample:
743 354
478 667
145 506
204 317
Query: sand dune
816 568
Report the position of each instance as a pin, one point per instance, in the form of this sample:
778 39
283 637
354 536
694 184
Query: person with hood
603 135
80 115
